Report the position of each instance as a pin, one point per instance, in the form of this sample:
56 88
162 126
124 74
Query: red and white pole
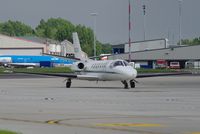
129 11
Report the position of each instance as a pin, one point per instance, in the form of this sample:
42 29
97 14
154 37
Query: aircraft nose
131 73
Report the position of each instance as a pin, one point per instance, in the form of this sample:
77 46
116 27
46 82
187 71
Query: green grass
2 70
43 70
7 132
36 70
155 70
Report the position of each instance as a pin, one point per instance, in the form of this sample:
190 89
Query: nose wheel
125 84
68 83
132 84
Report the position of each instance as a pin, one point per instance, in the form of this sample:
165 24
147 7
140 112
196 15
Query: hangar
17 46
148 57
140 46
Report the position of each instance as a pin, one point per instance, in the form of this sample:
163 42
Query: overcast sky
162 18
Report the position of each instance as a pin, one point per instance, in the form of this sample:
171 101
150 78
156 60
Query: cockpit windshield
120 63
125 63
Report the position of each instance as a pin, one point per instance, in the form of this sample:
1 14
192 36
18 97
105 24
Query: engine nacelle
79 66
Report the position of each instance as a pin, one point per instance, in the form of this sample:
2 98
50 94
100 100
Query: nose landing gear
132 84
125 84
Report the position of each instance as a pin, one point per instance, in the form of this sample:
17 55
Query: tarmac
33 104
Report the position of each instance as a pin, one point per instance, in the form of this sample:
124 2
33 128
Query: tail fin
77 47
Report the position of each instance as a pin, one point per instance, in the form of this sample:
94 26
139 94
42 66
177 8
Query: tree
8 29
195 41
16 28
53 28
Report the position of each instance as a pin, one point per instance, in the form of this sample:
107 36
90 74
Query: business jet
104 70
93 70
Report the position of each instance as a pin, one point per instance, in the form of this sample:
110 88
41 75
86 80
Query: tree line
57 29
190 42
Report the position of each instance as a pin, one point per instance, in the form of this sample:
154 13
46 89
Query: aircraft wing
69 75
94 78
160 74
66 75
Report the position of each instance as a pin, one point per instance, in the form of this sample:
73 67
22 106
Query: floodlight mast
94 15
180 23
129 27
144 20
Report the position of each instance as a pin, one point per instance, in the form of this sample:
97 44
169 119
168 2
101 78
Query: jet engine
78 66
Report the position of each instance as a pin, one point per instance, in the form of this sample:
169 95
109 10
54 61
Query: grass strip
7 132
43 70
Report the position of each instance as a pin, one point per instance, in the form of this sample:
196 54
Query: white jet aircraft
93 70
108 70
105 70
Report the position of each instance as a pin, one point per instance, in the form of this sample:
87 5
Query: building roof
138 41
40 40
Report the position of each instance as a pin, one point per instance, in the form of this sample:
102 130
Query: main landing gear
132 84
68 83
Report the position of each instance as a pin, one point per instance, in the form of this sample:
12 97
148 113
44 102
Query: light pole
144 23
94 15
180 8
129 29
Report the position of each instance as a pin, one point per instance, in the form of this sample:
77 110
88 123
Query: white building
68 48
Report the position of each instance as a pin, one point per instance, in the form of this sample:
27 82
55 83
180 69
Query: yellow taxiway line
52 122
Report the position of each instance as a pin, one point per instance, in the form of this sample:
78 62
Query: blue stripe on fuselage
37 59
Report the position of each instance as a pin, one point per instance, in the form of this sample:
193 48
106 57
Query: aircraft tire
132 84
125 84
68 84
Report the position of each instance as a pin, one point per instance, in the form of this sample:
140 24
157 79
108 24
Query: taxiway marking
129 125
52 122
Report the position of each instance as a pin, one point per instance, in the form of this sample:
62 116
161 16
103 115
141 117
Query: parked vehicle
174 65
161 64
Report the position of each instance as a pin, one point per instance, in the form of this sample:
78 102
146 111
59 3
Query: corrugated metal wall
178 53
21 51
16 46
